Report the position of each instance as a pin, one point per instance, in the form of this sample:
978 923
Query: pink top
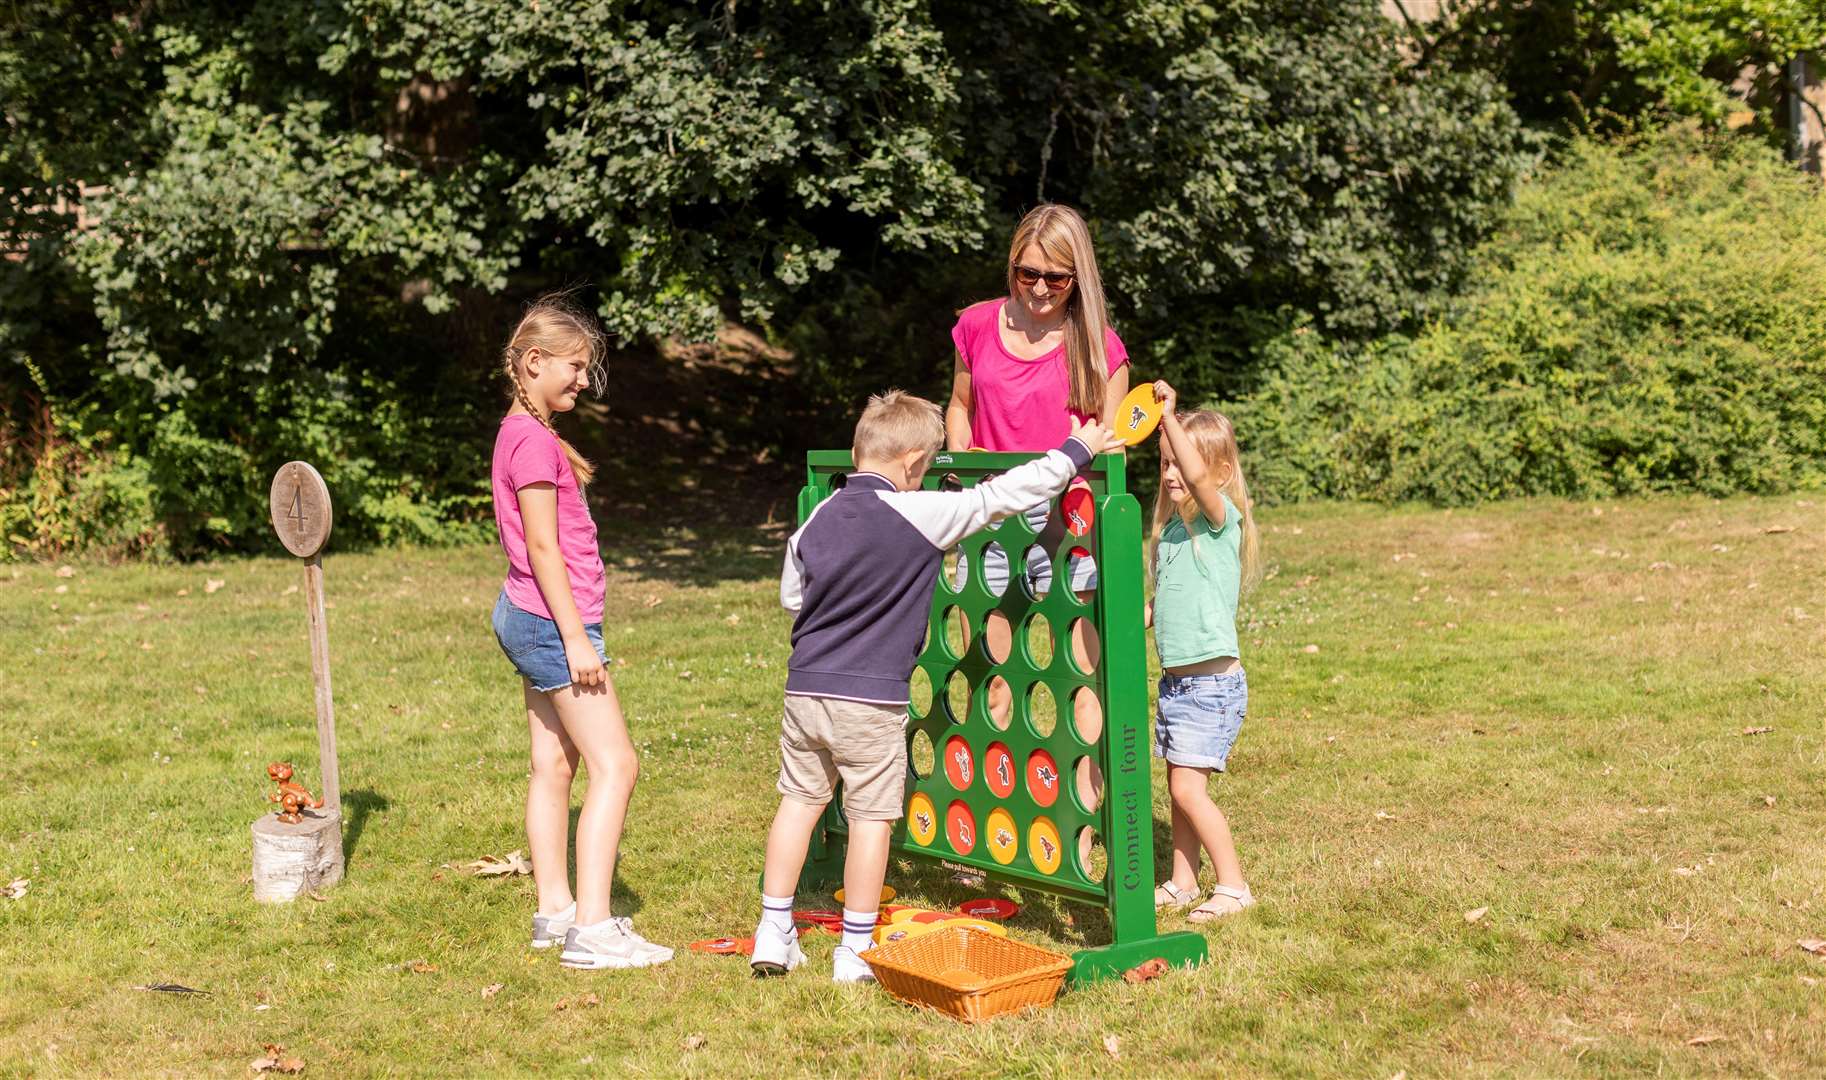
1018 405
526 452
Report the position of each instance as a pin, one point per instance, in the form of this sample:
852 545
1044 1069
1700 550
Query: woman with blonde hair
1027 365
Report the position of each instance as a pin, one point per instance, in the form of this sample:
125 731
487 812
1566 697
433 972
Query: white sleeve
945 517
791 594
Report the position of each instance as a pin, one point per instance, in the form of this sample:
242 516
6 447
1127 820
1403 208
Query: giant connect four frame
1054 794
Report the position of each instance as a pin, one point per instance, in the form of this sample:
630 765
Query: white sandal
1224 901
1169 895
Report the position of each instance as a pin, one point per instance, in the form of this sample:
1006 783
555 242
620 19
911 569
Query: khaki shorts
822 739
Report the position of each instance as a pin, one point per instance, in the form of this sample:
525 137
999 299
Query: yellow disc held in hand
1136 416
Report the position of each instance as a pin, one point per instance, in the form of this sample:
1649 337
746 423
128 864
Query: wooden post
294 858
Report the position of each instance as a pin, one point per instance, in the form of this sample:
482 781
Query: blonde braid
510 363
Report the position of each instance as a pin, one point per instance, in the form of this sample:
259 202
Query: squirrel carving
290 797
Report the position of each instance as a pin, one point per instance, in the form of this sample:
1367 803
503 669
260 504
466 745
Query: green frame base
1182 948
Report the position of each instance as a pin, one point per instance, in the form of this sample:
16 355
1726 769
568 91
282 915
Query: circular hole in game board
1092 645
957 697
1042 711
1037 573
920 754
919 694
1001 703
957 632
1087 781
996 580
1093 860
1087 715
1039 643
997 637
949 579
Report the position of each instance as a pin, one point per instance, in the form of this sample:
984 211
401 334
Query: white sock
858 929
777 912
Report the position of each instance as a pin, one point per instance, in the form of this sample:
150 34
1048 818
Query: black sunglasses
1028 277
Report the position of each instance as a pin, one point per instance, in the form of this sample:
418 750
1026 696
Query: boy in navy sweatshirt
859 576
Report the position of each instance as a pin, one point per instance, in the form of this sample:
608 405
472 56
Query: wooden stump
290 859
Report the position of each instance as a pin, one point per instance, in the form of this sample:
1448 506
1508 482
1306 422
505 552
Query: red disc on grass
1079 509
998 770
1042 778
724 945
960 828
933 917
822 918
960 764
990 907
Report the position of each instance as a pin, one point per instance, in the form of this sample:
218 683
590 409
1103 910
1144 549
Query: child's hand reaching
585 663
1167 396
1094 435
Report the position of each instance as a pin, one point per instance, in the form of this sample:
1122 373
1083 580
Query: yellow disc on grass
1043 845
887 893
922 820
901 931
1136 416
984 925
906 914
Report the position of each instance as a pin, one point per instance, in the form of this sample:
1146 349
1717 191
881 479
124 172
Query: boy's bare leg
787 843
865 864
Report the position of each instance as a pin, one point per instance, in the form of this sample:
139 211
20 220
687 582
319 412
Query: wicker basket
968 974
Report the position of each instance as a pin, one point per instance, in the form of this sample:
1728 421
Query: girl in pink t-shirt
1027 364
549 623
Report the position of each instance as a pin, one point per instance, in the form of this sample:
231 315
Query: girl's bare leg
593 720
548 801
1188 788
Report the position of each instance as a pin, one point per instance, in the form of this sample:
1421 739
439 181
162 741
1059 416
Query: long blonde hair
1214 438
556 327
1061 234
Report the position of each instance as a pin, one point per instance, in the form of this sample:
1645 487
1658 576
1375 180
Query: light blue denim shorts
1199 717
535 647
1039 567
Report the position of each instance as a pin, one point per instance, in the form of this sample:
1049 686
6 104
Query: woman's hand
584 661
1093 434
1167 396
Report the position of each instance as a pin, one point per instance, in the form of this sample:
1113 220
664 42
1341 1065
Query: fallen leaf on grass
691 1041
581 1001
210 585
1768 800
276 1061
61 589
184 591
16 890
491 990
422 967
1703 1040
289 590
1112 1046
66 571
171 988
1384 815
1758 730
1310 649
1813 945
733 619
1686 871
489 866
652 602
1721 548
1476 913
317 896
1770 529
1147 969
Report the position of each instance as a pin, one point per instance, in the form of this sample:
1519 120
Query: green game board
1057 795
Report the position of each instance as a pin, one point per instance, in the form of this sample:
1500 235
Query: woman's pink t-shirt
1018 405
526 452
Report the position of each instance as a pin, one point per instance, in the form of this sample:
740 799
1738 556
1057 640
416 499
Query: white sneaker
776 951
610 944
848 966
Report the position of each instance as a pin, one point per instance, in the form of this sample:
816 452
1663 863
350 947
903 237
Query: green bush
1646 319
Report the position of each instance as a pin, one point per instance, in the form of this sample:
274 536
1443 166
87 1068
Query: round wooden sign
300 505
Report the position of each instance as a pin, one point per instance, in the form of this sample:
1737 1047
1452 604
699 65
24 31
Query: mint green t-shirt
1196 577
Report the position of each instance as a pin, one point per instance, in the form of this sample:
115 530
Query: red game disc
960 766
960 829
998 770
990 907
724 945
821 918
1042 778
1079 510
933 916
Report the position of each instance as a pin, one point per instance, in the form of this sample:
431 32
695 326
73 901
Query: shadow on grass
1073 923
357 805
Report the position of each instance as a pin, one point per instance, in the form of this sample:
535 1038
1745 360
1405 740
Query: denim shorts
536 648
1039 567
1199 717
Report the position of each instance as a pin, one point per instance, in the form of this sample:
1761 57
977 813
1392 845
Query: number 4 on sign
296 511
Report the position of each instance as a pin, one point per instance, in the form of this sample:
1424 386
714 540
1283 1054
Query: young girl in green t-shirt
1205 549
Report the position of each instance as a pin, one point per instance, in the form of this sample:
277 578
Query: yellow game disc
1004 838
1136 416
887 893
901 931
1043 845
984 925
906 914
922 820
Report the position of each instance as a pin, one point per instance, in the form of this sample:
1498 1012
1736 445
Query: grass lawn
1538 709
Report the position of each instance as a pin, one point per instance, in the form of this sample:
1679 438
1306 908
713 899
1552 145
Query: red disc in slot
960 828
